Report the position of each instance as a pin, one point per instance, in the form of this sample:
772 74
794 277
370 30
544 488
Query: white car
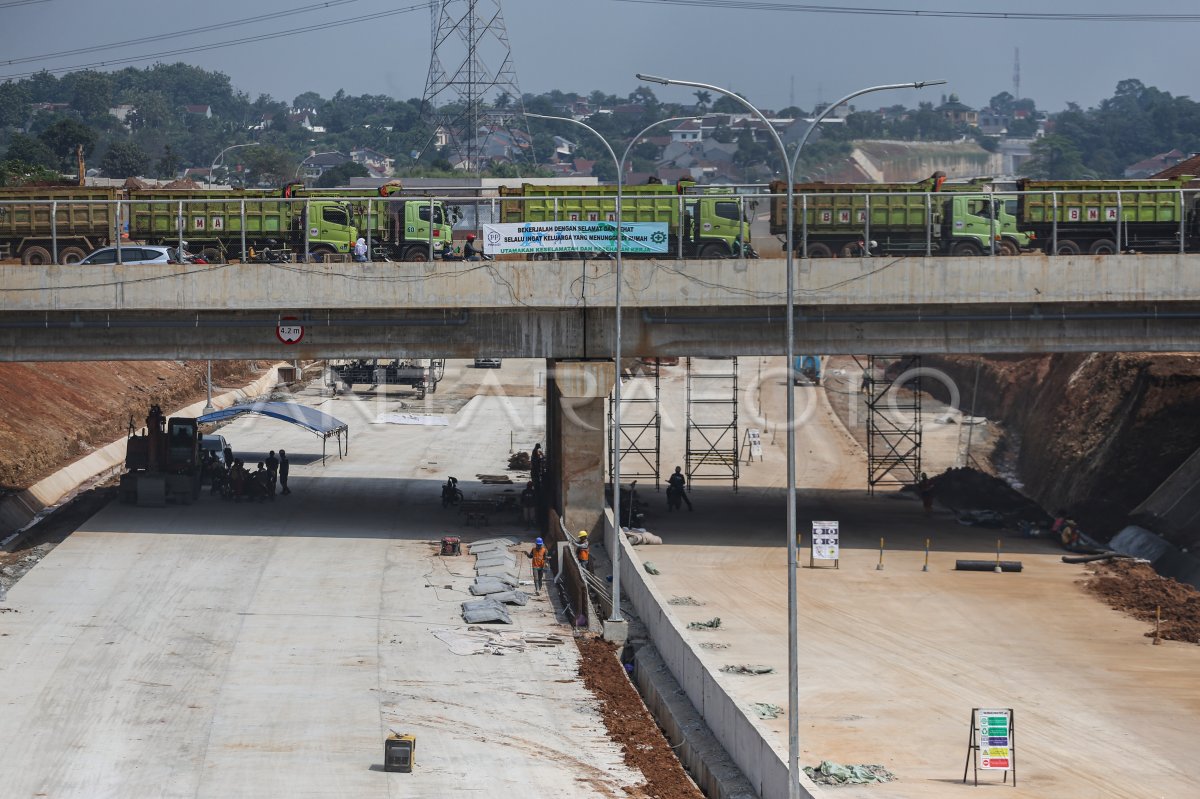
133 254
487 363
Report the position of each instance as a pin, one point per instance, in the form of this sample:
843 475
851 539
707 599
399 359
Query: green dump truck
838 219
63 224
399 225
1100 217
712 224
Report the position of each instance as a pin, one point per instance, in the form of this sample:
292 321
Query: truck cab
718 225
970 224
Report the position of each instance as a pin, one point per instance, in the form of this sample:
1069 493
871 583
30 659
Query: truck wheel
321 254
416 254
1067 247
36 256
819 250
1007 248
714 250
966 249
71 255
1103 247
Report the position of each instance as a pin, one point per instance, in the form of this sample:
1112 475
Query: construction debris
640 537
650 568
711 624
684 600
520 461
830 773
765 710
494 479
713 645
753 670
479 641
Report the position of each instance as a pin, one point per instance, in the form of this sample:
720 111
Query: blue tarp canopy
309 418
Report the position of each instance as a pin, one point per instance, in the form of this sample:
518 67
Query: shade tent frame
311 419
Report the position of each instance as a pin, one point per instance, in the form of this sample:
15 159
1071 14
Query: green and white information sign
995 738
574 236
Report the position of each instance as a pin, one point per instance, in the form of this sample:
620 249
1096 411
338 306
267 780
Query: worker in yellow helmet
585 557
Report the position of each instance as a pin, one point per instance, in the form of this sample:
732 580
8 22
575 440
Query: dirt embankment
55 413
1098 433
630 723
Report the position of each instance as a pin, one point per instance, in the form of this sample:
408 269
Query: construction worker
538 556
529 504
581 546
677 491
925 490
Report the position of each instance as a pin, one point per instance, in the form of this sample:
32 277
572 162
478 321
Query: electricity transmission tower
471 66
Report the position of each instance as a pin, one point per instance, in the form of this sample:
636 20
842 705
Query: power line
755 5
13 3
174 34
257 38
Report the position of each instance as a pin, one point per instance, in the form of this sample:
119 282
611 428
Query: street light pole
218 158
616 431
829 110
793 647
616 468
208 406
793 619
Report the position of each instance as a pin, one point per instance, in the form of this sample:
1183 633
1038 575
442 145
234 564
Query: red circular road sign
287 331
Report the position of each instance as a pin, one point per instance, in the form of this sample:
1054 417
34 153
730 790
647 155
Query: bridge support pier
576 442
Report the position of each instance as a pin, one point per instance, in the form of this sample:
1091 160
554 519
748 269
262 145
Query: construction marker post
994 737
825 544
998 569
879 568
1157 622
925 568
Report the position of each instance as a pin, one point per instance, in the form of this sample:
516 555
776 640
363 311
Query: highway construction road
892 661
227 650
235 649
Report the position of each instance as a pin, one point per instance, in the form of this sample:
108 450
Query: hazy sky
600 44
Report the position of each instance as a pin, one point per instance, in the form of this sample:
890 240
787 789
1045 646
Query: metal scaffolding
892 393
711 449
641 427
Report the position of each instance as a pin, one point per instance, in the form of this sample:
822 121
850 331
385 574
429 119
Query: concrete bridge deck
564 309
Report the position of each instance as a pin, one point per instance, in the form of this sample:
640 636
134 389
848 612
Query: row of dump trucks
931 217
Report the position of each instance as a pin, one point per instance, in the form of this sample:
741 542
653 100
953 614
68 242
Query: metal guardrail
485 210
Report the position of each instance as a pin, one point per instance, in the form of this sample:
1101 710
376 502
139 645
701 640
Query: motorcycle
451 493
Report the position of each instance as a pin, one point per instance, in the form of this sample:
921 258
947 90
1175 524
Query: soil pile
970 489
1098 433
630 724
1137 589
55 413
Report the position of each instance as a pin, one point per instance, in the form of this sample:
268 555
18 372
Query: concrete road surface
892 661
265 650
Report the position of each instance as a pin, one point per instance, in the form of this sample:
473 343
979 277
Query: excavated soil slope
55 413
1098 433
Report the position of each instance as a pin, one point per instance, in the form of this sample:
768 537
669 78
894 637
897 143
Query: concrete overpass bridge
565 309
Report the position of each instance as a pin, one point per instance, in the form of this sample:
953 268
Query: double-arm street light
793 620
616 423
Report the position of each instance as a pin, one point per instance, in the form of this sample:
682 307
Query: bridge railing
1098 219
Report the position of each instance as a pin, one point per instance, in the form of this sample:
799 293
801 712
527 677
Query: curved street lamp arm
829 110
642 132
595 132
742 100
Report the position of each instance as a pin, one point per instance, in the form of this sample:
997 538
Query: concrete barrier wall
665 283
19 510
745 741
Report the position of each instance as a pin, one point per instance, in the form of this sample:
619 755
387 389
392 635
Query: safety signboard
825 540
995 743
